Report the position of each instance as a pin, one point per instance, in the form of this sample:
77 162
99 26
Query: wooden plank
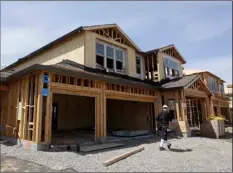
4 88
122 156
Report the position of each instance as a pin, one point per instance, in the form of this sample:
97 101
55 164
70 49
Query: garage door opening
129 118
73 119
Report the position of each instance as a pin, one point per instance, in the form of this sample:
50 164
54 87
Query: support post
39 109
48 119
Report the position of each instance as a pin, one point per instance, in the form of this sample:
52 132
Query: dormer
162 63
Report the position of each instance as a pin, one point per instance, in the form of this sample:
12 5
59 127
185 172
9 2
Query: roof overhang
70 68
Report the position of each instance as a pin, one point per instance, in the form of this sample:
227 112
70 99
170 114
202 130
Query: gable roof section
184 82
165 49
115 26
189 72
70 34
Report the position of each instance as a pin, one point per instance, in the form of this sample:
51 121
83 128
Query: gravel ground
204 154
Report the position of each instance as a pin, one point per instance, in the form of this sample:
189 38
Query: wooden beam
4 88
122 156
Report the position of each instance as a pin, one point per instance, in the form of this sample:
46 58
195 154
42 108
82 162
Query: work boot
169 146
161 149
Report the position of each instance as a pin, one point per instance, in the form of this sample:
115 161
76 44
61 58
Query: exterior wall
90 52
71 49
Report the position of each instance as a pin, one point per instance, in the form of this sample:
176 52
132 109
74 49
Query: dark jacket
164 117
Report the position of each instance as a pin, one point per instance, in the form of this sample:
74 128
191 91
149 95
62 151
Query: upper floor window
139 66
110 57
172 68
212 84
100 54
221 88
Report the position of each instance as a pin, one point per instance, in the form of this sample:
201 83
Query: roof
70 68
72 33
188 72
180 82
184 82
4 75
165 48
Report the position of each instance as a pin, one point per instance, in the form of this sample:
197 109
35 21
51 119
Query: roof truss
173 51
198 85
114 33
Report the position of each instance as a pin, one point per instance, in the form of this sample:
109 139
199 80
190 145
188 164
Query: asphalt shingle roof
179 83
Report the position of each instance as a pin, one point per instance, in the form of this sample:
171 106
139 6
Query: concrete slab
130 133
98 147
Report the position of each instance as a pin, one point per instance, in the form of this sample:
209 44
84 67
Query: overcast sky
202 31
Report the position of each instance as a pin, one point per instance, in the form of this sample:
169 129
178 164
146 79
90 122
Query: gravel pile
202 155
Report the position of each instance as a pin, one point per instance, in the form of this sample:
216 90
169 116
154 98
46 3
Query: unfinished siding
71 49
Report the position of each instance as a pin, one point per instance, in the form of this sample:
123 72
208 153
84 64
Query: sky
202 31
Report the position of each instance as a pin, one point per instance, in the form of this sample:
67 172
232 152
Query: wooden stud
35 108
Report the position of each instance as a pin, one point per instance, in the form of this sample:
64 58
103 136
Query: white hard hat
165 106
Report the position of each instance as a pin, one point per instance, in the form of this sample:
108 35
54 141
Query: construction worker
163 120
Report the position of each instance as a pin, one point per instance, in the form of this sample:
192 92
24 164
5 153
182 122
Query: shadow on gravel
7 143
180 150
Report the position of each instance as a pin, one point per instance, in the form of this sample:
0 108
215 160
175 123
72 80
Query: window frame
169 65
99 54
139 75
114 57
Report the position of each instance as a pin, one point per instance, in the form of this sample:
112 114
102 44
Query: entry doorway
194 112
